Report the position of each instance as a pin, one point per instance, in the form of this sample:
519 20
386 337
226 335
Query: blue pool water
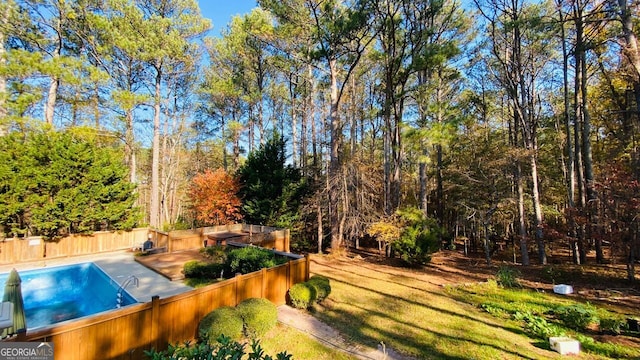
56 294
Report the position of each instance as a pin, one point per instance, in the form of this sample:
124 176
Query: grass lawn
412 313
299 344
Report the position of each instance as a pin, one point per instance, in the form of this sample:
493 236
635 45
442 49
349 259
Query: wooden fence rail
36 248
126 333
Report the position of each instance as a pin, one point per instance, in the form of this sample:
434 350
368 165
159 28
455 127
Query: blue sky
221 11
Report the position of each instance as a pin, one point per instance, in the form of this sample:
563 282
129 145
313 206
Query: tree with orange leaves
214 198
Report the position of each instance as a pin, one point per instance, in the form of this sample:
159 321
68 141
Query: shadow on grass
358 326
408 344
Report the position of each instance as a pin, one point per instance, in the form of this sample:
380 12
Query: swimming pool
61 293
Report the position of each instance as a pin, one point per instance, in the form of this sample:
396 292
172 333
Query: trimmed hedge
322 286
199 269
259 315
251 258
302 295
222 321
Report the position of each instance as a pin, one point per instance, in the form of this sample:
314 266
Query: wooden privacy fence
263 236
126 333
36 248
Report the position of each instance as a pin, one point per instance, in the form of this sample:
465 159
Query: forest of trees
501 120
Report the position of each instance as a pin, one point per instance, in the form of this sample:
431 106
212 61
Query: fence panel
126 333
249 286
276 288
298 271
21 249
185 243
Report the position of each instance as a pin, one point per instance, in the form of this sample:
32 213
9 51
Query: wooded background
499 119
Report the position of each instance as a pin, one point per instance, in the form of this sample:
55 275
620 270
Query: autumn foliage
214 198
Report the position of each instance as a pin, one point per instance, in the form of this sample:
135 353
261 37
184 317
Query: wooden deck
170 264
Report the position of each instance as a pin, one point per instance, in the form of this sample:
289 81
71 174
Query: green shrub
302 295
508 277
191 268
258 315
494 309
225 348
538 326
222 321
613 325
321 285
199 269
577 317
216 254
419 239
249 259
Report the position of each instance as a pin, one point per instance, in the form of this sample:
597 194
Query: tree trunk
334 159
54 83
542 256
587 158
579 98
294 122
424 196
129 143
320 229
524 248
154 211
631 42
487 249
50 104
569 164
3 79
519 187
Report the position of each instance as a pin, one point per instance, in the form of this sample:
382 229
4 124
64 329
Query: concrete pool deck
119 265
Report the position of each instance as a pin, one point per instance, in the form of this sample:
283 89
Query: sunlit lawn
298 344
405 310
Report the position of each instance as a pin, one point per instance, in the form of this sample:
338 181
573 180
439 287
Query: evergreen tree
270 189
57 183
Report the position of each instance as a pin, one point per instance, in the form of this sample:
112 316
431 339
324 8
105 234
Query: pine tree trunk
334 159
129 145
542 256
3 79
581 232
320 229
524 248
294 123
569 164
424 197
154 208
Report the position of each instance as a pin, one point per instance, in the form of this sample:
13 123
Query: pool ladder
132 279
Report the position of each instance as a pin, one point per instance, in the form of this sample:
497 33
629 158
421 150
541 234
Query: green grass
408 312
537 313
299 344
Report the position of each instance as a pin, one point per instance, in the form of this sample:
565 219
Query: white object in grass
563 289
565 345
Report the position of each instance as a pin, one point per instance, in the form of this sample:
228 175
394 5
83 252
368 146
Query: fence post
287 240
264 283
307 261
237 279
289 274
155 322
